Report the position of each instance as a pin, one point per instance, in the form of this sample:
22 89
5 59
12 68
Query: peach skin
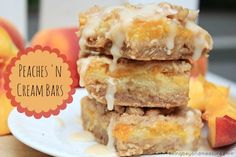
64 39
13 33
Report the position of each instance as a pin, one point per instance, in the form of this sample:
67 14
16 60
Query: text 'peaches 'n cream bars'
135 64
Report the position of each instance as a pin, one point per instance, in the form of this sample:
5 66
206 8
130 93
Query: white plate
52 135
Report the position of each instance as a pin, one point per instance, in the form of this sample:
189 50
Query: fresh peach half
7 51
64 39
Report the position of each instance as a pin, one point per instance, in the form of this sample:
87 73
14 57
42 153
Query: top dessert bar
143 32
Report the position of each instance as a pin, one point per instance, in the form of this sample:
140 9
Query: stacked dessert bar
135 62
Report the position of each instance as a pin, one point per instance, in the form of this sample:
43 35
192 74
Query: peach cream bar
143 32
136 131
136 83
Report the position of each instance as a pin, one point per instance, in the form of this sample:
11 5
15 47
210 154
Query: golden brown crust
145 53
140 84
179 131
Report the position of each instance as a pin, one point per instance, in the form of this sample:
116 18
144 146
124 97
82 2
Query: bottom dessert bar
136 131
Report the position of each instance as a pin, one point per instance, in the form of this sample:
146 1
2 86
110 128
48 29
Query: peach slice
199 66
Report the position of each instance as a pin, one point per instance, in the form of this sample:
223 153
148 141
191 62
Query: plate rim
54 152
30 143
27 141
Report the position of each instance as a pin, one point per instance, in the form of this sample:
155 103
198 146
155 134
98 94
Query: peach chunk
225 131
218 110
5 109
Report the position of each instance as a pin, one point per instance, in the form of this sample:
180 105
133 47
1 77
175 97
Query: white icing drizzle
199 39
83 65
82 43
117 36
204 145
165 9
78 120
190 138
199 46
190 131
84 136
150 11
110 93
170 41
127 15
109 150
110 143
99 150
89 30
193 14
